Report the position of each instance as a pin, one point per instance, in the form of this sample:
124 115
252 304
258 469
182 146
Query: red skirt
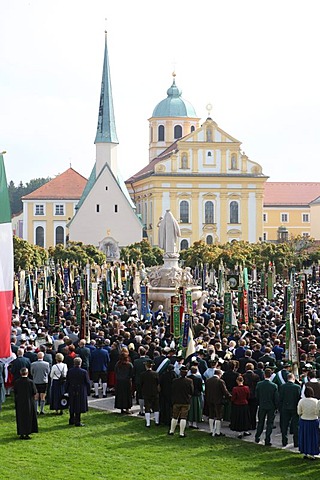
111 379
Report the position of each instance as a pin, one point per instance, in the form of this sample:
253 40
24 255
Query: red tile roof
290 193
67 186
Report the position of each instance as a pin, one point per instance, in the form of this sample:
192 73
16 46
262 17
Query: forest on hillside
16 192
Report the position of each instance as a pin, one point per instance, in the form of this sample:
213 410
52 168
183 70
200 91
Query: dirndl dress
308 439
195 411
240 418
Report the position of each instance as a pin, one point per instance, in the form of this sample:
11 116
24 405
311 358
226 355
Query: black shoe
219 435
182 435
246 434
170 433
240 436
268 444
104 396
148 426
95 396
157 424
141 414
27 437
257 440
42 413
79 425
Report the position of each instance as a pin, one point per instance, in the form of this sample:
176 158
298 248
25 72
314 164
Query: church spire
106 129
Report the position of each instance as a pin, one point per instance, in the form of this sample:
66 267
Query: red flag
6 265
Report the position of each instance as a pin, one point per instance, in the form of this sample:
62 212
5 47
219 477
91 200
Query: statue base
162 296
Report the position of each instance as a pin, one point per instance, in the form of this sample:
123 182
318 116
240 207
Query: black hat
149 363
183 368
285 365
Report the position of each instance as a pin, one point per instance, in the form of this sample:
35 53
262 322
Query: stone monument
165 280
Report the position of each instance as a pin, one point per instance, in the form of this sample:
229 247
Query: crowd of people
242 378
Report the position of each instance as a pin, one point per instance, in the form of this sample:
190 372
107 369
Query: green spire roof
5 213
106 129
174 105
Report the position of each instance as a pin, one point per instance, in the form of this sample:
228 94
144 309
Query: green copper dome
174 105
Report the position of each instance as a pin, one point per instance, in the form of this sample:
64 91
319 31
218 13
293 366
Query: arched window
209 212
209 135
151 134
184 244
184 161
234 165
234 212
161 133
177 131
184 211
209 240
59 235
40 236
192 128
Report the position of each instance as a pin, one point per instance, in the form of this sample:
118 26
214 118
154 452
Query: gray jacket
40 371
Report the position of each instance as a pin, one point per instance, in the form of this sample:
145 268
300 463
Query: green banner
270 285
78 309
227 312
176 321
189 301
263 282
51 310
245 279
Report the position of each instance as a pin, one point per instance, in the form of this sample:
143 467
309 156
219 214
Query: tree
26 255
200 253
16 193
77 252
143 251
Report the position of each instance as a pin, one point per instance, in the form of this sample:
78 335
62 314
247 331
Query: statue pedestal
165 281
171 260
162 296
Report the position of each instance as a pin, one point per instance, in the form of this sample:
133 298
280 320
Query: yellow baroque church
200 173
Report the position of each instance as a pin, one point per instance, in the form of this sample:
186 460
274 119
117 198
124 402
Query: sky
255 61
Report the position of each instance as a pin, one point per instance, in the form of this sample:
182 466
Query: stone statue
169 232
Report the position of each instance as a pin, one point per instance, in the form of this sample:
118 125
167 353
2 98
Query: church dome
174 105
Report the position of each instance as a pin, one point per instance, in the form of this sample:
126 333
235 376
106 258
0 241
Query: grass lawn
111 446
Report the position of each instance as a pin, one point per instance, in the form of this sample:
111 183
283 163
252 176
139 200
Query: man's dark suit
84 354
78 388
289 396
17 364
150 390
138 368
215 393
268 399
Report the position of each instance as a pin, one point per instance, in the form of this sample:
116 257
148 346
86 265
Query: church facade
200 173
